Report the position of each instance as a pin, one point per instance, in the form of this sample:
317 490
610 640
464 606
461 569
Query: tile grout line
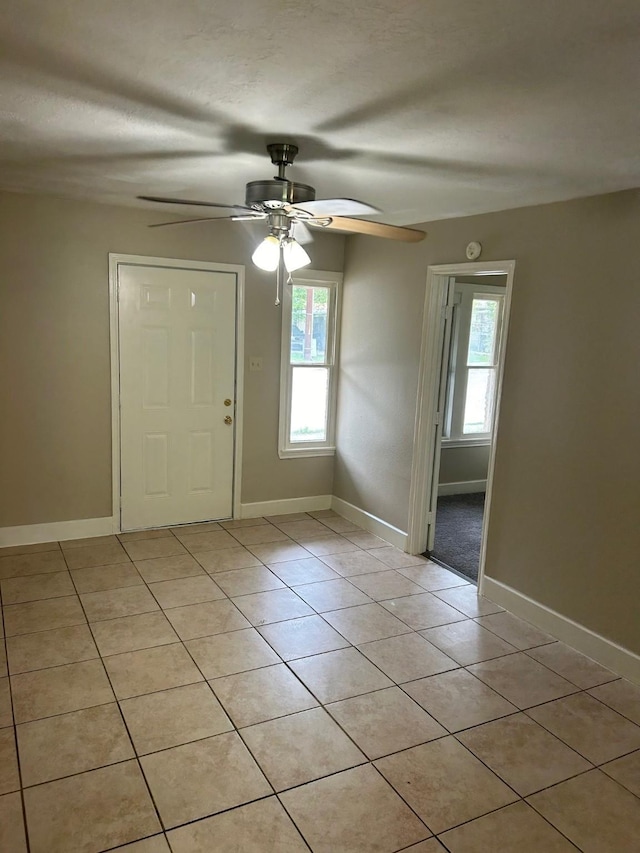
538 790
520 798
234 729
124 723
351 645
293 821
320 705
547 820
369 762
575 749
15 732
321 615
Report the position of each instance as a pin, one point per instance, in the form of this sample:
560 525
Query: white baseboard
467 487
55 531
308 504
599 648
371 523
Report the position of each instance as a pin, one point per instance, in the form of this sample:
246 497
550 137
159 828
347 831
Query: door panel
155 365
201 472
202 368
177 366
156 464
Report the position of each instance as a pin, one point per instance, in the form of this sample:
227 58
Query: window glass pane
478 406
309 403
309 306
483 332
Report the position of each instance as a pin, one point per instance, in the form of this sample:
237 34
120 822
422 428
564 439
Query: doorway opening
473 355
463 350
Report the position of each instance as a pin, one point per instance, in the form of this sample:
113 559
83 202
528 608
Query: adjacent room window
309 350
476 345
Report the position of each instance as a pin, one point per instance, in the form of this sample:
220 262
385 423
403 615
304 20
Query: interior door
445 355
177 345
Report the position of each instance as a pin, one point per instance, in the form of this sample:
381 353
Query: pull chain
279 278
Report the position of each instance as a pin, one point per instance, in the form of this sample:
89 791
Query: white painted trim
56 531
296 450
371 523
599 648
239 414
301 453
425 437
427 390
87 527
466 487
285 506
464 295
115 259
454 443
114 338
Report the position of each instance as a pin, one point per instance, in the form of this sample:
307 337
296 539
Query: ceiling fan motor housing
279 191
276 194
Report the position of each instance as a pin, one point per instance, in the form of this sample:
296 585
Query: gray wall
461 464
55 428
564 524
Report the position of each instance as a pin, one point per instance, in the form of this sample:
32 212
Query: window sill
466 442
303 452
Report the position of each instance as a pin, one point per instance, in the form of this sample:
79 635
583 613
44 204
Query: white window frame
464 294
286 448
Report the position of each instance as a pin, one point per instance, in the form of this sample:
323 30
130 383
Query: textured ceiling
425 108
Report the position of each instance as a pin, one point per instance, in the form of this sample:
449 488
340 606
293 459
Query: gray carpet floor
459 531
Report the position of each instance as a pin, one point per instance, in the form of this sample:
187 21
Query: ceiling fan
288 208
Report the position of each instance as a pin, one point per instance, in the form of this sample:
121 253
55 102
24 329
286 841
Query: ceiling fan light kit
288 207
293 255
267 256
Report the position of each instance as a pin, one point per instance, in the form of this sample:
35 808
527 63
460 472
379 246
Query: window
476 344
309 349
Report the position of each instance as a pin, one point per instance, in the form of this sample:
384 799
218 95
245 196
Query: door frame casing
115 260
430 367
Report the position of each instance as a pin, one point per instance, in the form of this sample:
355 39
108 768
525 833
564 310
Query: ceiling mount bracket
282 155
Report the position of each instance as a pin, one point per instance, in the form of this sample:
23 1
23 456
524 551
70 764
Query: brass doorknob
228 420
228 402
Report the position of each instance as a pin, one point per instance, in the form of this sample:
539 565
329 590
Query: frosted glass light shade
294 255
267 255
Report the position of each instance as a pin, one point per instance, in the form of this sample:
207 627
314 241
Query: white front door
177 347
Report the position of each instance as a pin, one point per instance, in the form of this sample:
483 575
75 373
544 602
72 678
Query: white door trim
115 259
426 405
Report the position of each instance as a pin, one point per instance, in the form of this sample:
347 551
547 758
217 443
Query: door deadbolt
228 402
228 420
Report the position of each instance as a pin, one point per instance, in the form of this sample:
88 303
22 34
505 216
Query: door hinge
431 517
437 418
447 312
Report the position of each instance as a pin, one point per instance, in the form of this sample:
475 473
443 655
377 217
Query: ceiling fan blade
208 219
336 207
373 229
199 203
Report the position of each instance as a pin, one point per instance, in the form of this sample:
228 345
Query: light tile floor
294 683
